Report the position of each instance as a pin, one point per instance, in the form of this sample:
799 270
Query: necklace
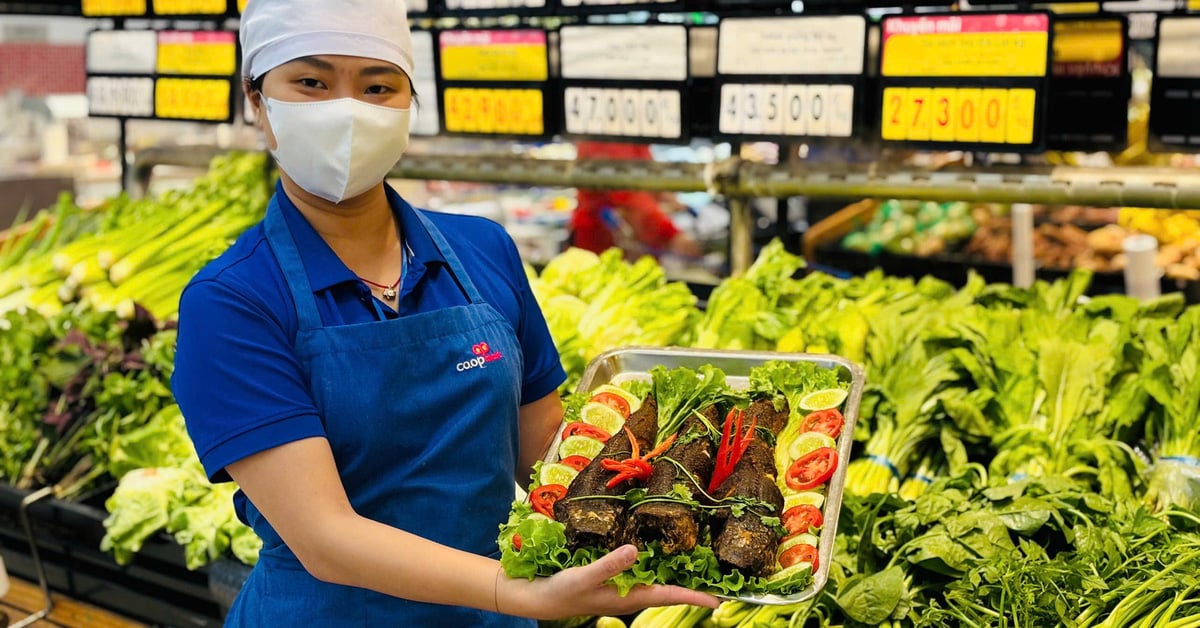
389 292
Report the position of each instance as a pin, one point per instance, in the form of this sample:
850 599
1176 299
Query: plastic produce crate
156 587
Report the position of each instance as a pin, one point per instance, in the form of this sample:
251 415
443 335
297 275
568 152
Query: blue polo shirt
237 378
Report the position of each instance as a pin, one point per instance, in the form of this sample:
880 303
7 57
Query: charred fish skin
601 522
746 544
676 527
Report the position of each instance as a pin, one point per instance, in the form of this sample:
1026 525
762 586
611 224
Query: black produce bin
156 587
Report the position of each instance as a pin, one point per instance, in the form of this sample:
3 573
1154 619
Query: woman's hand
582 591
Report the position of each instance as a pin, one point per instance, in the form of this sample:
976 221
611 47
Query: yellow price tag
105 8
493 111
494 55
205 53
190 7
241 6
991 45
945 105
192 99
916 116
893 113
1021 106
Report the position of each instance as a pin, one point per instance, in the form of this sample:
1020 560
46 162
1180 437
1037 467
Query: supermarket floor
25 598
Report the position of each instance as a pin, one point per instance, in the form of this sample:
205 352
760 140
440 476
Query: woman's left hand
585 591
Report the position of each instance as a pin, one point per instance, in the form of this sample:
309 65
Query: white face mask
337 149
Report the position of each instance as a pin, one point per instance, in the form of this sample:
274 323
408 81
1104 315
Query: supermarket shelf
1099 187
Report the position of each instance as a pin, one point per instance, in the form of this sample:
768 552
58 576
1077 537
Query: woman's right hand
584 591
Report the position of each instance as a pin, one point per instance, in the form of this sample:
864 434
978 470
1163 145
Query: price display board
791 78
625 82
203 53
591 7
190 7
494 7
122 52
115 8
494 83
1091 86
965 81
196 99
425 119
1175 92
120 96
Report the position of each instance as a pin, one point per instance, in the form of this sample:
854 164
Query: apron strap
279 236
456 267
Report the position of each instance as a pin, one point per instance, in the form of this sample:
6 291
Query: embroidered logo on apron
483 355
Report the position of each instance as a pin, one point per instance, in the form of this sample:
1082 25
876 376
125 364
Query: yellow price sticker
190 7
968 116
206 53
192 99
107 8
494 55
241 6
494 111
992 45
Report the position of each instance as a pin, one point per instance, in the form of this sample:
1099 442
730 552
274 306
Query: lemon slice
602 416
609 622
634 402
556 473
784 574
799 539
809 442
812 498
585 446
537 516
823 399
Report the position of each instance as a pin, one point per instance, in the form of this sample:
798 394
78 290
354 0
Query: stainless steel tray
635 363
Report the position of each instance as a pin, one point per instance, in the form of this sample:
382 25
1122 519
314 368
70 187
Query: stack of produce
595 303
127 251
916 228
732 505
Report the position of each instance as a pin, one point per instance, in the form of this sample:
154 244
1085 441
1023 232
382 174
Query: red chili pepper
516 541
635 467
734 443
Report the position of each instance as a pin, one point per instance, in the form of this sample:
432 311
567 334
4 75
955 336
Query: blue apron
421 414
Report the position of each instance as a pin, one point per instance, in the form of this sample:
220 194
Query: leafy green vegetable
681 391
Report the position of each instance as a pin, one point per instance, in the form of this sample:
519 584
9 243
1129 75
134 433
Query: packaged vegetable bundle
720 489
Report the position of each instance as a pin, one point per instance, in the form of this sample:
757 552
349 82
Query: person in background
373 377
652 229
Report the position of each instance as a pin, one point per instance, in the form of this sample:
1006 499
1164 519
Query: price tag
114 8
241 6
120 96
425 119
774 110
190 7
494 111
121 52
204 53
510 55
574 119
1175 91
670 109
970 116
631 115
792 46
646 53
965 45
192 99
1089 48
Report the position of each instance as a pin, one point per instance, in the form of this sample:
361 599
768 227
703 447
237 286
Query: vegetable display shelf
155 587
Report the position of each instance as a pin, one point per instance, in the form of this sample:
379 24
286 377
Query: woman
373 377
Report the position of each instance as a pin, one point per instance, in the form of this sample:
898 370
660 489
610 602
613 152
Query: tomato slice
543 497
828 422
802 553
516 541
579 463
614 401
579 428
812 469
802 519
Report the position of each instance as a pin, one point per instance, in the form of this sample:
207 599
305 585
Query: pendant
389 294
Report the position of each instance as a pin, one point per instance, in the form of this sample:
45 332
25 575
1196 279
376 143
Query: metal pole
741 235
38 566
122 148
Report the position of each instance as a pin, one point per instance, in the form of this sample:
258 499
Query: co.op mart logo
483 355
